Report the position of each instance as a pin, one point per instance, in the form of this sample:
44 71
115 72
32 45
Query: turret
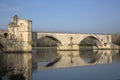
15 18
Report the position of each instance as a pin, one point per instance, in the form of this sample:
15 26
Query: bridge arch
90 41
6 35
53 39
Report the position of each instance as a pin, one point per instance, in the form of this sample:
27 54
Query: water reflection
99 57
19 66
66 59
16 66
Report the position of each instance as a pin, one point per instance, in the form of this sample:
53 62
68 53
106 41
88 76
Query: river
50 64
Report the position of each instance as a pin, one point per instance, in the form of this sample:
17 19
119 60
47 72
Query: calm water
50 64
15 66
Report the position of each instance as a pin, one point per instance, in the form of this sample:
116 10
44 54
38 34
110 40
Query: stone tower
21 31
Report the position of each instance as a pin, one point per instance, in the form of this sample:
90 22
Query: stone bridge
70 41
64 41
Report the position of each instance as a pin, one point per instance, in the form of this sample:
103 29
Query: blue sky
78 16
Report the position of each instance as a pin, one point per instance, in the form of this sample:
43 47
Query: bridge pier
68 47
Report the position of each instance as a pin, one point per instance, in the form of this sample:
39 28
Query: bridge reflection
67 59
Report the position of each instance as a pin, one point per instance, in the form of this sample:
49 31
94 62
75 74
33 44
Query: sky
74 16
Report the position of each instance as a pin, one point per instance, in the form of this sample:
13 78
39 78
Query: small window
71 38
105 44
20 23
21 35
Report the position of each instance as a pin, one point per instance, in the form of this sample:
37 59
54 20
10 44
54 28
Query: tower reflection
17 66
